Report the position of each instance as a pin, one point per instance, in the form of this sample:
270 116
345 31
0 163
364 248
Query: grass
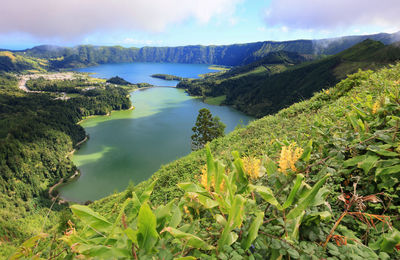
216 101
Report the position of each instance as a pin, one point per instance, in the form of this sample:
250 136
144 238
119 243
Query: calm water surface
132 145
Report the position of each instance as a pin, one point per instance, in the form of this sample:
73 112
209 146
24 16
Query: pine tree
206 129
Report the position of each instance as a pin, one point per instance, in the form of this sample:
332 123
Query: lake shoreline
131 158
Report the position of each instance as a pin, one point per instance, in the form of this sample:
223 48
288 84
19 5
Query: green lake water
132 145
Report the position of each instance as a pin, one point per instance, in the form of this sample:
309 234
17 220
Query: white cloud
325 15
68 19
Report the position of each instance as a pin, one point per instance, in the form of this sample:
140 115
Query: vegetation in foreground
317 180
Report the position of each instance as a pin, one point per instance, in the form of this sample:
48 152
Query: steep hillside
319 179
37 133
260 93
231 55
16 63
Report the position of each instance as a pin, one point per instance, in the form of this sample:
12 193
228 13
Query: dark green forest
281 79
37 131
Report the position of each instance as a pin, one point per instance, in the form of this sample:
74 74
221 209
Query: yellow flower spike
186 210
375 107
252 167
203 177
288 158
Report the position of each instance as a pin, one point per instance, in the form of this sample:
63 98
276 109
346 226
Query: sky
137 23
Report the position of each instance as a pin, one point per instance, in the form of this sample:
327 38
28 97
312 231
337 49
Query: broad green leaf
117 220
361 125
307 199
353 161
189 239
253 230
353 121
388 170
176 216
267 194
186 258
232 238
307 152
103 252
320 198
382 151
224 202
234 220
91 218
132 235
230 186
164 211
191 187
270 166
205 201
135 205
368 163
239 173
210 166
163 214
294 226
26 248
147 234
220 219
293 192
147 192
317 217
390 241
359 112
219 172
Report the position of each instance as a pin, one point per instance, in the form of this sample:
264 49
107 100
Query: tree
206 129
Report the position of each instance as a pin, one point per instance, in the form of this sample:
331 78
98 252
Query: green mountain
11 62
231 55
263 88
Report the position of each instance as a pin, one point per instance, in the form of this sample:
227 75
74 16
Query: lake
132 145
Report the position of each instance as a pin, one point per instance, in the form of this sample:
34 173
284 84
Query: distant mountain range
230 55
283 78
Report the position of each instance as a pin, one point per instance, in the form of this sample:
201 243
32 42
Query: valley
316 174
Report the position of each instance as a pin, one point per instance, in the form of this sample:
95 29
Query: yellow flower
375 107
203 177
252 167
289 156
327 91
203 180
186 210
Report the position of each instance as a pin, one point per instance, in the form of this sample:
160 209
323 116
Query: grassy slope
300 122
11 62
259 93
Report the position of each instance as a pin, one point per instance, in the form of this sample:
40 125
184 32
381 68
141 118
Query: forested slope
262 90
37 132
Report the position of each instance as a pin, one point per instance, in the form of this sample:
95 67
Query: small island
118 81
166 77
